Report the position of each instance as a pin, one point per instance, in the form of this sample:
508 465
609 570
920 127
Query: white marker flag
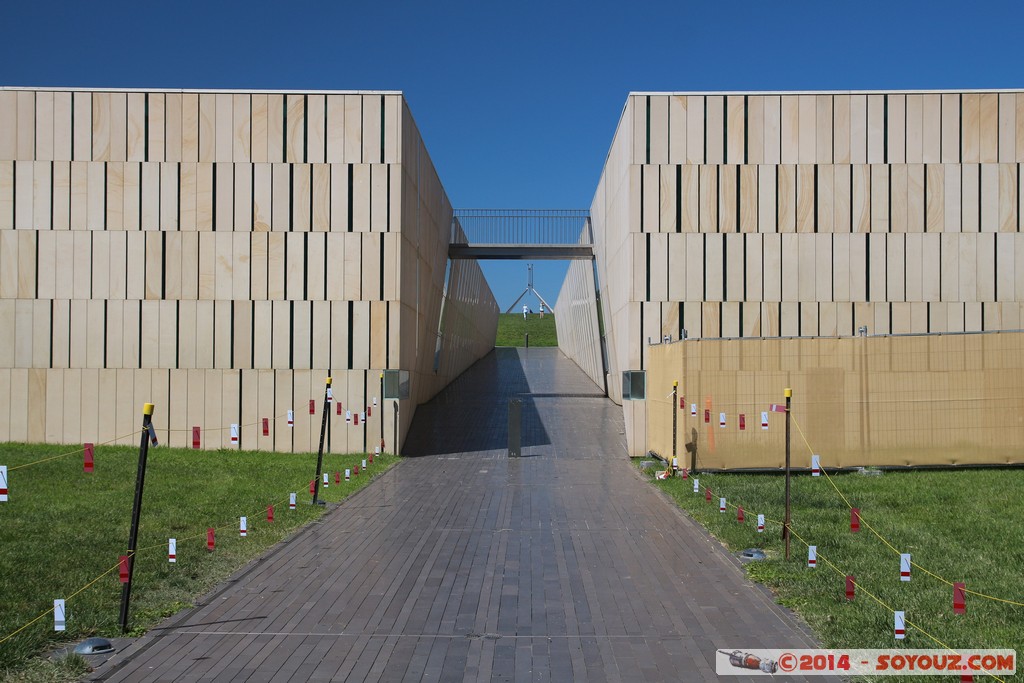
291 501
760 523
172 550
900 625
243 526
815 465
696 485
330 395
721 419
693 410
364 463
3 483
59 615
721 504
348 473
904 566
812 556
291 418
325 480
764 419
234 435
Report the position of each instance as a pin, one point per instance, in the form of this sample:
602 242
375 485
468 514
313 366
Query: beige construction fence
949 399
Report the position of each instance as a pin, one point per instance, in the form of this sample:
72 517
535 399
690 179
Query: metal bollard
515 427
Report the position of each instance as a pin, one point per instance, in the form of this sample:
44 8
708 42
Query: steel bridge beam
521 252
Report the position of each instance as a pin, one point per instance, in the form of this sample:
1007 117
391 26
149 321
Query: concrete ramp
465 565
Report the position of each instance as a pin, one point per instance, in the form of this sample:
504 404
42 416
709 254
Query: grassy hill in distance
512 330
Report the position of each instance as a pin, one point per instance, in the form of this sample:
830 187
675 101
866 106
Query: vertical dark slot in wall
744 298
145 142
725 129
387 345
351 333
381 244
746 131
799 318
350 185
680 319
725 269
647 157
252 335
738 181
51 340
177 211
284 129
305 266
679 198
815 197
382 119
642 189
704 110
718 197
35 284
867 266
704 250
140 333
885 131
648 243
231 355
980 195
641 330
924 203
291 197
960 129
305 130
163 264
291 335
214 196
72 134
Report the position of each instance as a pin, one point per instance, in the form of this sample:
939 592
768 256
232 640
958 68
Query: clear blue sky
517 101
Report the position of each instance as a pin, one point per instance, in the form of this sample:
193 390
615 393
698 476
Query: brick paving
465 565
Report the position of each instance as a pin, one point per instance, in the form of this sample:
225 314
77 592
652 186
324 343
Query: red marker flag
337 477
686 473
266 427
339 407
312 486
88 464
707 495
123 569
854 519
355 419
707 417
777 407
355 471
209 539
682 403
195 438
312 407
369 411
959 595
270 513
743 422
739 514
850 586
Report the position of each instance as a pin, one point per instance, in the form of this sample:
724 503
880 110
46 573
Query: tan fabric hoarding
951 399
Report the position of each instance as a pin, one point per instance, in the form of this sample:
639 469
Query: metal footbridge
521 234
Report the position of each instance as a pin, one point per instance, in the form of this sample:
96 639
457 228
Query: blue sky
517 101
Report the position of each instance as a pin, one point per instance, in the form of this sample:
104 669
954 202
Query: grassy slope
512 330
63 528
961 525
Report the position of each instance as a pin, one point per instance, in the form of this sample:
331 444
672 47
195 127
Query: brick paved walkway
464 565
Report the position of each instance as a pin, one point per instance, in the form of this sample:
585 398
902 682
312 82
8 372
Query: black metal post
320 452
394 443
675 417
527 340
381 413
133 534
785 526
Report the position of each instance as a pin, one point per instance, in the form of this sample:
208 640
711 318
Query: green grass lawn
512 330
960 525
62 528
